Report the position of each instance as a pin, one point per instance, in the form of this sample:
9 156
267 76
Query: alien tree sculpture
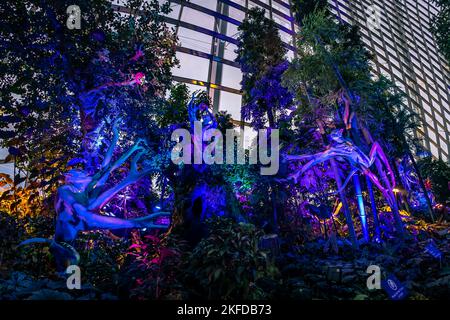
411 183
82 197
79 201
202 200
89 100
344 149
199 112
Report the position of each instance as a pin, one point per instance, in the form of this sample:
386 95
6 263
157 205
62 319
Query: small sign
394 288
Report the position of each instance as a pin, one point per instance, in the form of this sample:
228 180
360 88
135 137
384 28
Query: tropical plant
261 56
175 111
22 200
72 81
331 77
302 8
154 267
438 173
228 264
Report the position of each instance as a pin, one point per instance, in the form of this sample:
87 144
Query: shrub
228 264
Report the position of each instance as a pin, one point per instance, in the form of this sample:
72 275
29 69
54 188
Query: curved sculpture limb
377 151
82 197
354 156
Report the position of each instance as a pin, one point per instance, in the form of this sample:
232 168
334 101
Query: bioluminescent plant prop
79 201
199 111
207 141
91 98
138 54
417 196
344 149
408 177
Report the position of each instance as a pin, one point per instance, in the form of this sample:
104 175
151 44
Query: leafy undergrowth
227 264
313 274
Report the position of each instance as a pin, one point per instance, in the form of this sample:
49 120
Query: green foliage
303 8
175 111
386 116
24 200
441 26
43 118
439 173
101 259
224 122
154 268
260 50
228 264
36 260
323 45
10 235
260 45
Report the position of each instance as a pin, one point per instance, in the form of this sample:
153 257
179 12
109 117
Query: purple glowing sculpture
80 199
342 148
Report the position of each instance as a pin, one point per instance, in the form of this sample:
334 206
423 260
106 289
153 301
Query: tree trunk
274 193
337 177
347 213
361 208
389 196
163 191
373 206
403 197
271 117
274 207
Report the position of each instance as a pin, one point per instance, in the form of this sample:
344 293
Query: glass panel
209 4
231 77
232 30
198 18
230 53
236 14
231 103
194 40
191 67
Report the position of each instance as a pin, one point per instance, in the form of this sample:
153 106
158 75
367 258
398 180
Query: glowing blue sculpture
80 199
342 148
